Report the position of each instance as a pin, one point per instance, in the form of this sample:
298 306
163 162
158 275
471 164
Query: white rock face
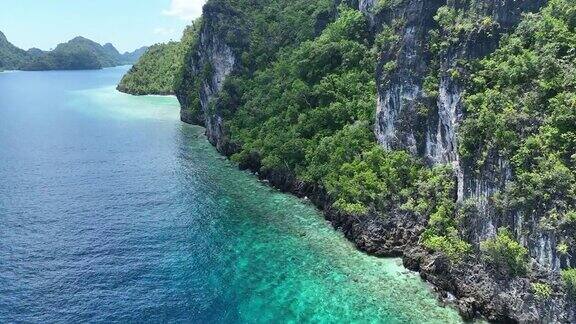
218 56
390 105
434 137
366 5
441 141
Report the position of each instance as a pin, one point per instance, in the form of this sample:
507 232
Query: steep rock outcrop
419 109
480 291
401 91
225 35
402 66
211 60
410 118
427 125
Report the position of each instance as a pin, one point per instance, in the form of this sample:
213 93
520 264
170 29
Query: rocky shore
475 289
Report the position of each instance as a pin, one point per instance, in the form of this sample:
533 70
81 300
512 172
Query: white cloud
164 31
185 9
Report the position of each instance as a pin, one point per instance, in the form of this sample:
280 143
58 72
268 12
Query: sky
128 24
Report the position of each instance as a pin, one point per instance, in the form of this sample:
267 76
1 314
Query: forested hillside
134 56
442 131
158 68
521 107
11 57
77 54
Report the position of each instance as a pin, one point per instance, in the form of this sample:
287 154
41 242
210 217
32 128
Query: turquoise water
111 210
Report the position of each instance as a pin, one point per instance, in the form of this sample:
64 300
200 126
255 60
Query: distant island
77 54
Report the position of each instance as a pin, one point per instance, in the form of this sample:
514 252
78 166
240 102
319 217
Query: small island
77 54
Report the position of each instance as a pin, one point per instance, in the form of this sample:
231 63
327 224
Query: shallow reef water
112 210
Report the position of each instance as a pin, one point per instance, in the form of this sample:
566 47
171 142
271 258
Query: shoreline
144 95
132 93
360 231
70 70
475 290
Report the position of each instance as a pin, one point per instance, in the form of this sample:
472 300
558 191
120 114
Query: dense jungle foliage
522 106
154 73
311 114
77 54
157 70
303 103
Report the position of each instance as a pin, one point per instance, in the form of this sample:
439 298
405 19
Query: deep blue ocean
112 210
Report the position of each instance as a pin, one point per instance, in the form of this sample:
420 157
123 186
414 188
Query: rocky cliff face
221 61
427 125
401 90
421 82
409 117
224 36
213 60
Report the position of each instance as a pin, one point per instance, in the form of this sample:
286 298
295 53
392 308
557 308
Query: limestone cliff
410 118
224 36
214 60
422 65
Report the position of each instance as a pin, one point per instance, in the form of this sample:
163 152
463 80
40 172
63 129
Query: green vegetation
382 5
542 291
158 68
256 32
302 105
457 22
11 57
373 180
562 248
79 53
434 195
76 60
569 277
505 253
258 28
311 113
133 57
522 106
454 247
155 71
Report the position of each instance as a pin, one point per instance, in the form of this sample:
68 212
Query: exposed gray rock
215 55
435 137
471 286
482 291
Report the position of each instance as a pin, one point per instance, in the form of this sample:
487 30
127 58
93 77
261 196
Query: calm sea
112 210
